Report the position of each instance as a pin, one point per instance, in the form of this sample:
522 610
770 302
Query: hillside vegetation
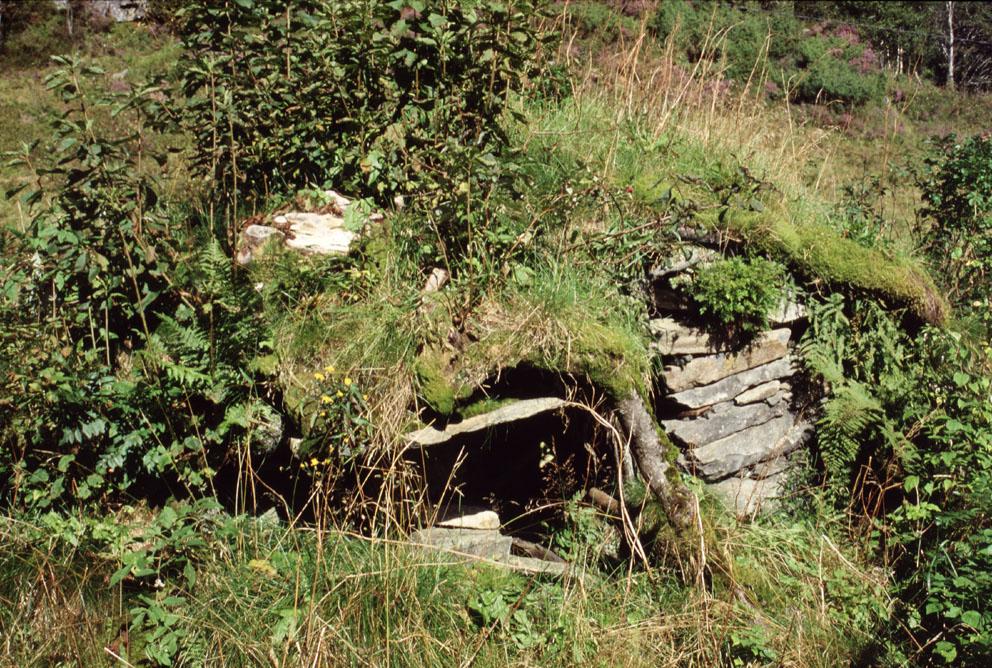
203 462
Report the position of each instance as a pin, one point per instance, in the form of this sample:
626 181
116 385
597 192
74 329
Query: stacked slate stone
731 409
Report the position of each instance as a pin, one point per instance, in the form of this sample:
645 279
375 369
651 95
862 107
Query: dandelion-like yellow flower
314 461
329 369
324 399
347 381
340 393
318 376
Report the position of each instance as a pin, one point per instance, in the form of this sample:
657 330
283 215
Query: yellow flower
365 397
324 399
329 369
323 413
314 461
318 376
340 393
347 381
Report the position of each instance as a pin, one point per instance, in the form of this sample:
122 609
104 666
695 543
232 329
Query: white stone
483 520
759 393
787 312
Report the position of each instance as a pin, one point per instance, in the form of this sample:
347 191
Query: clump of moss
435 373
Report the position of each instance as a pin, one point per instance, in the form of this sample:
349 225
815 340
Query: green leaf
167 517
910 483
946 651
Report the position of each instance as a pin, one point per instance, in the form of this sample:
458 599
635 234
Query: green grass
260 594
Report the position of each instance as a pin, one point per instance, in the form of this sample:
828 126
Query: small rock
759 393
485 520
731 386
747 496
768 347
436 281
253 238
787 312
267 428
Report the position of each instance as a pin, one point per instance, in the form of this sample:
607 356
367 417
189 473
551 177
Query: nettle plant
124 353
375 99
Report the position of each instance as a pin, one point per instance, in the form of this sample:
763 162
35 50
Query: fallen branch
649 453
535 551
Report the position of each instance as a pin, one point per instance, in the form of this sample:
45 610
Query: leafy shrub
746 34
957 213
905 425
739 294
377 99
840 69
123 353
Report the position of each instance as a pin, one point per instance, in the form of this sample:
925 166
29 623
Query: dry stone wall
731 409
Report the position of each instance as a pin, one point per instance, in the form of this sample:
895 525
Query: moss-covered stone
435 373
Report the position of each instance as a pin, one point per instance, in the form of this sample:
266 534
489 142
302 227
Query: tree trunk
950 44
649 453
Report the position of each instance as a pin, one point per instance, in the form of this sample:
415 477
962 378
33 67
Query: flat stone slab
722 421
729 455
534 566
765 443
488 544
520 410
767 347
672 338
731 386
